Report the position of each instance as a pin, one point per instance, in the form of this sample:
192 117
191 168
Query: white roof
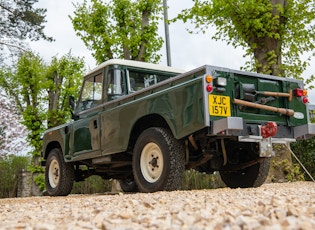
138 64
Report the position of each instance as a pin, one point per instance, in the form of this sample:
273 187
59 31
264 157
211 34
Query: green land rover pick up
144 124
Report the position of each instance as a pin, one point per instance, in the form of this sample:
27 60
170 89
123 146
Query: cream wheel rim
54 173
151 162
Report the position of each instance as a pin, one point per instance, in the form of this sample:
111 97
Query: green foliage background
305 151
278 36
124 29
41 94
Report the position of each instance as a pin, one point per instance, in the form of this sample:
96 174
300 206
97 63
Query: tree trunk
145 24
268 50
54 95
268 56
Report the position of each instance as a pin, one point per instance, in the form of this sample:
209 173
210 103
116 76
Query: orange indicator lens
209 79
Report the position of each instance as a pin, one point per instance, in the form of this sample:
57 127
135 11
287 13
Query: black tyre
252 176
128 185
59 176
158 161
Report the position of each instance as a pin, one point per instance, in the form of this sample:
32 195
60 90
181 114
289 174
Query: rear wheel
254 175
158 161
59 175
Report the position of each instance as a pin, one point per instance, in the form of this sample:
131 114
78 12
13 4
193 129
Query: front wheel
158 161
59 175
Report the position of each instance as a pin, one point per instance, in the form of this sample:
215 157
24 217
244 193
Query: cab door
116 87
86 130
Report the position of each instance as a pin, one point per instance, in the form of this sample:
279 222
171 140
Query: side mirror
72 107
71 103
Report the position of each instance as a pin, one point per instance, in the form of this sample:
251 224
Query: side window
91 95
150 80
140 80
116 83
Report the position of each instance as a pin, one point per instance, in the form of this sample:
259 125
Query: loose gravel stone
271 206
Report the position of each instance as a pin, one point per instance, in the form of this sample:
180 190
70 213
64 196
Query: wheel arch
49 147
148 121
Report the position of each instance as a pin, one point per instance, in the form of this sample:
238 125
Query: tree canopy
19 21
119 28
41 91
63 79
275 33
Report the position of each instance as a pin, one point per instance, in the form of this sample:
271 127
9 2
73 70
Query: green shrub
305 152
282 170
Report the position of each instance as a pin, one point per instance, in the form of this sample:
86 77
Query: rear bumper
235 126
228 125
265 144
304 131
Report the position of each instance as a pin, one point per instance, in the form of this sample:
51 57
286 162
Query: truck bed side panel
182 120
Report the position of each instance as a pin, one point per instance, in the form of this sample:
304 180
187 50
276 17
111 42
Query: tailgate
256 98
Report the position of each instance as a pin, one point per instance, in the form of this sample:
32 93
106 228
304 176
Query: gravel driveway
271 206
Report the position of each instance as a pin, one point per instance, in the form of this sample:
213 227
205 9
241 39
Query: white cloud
59 26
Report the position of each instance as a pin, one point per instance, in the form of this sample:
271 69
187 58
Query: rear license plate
219 105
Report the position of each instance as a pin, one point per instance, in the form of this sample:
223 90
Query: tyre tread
175 148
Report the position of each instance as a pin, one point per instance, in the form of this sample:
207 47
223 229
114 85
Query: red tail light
300 92
305 100
209 88
209 83
269 130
